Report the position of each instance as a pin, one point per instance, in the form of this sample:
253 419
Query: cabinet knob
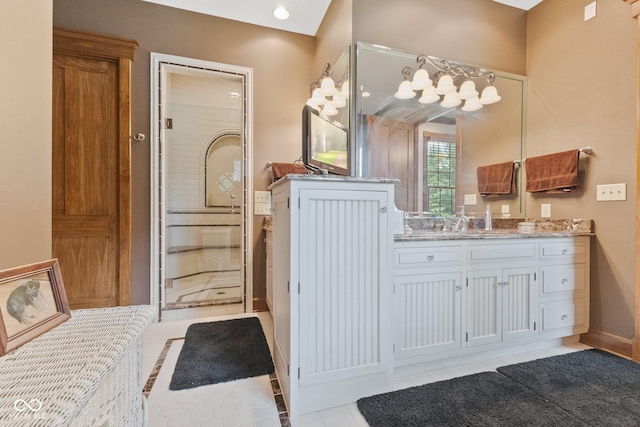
431 258
565 251
563 317
383 209
565 281
458 288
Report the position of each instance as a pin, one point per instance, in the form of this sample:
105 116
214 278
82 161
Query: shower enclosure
200 229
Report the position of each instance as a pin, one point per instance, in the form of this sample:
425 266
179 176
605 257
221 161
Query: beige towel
553 173
496 180
281 169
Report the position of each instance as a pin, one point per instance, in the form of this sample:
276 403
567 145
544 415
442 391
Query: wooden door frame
119 51
635 13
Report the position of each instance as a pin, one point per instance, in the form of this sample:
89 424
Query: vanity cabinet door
500 305
428 311
484 307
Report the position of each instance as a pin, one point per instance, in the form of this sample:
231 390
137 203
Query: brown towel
553 173
281 169
496 180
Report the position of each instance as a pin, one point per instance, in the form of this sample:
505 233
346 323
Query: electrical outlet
609 192
262 208
545 210
505 209
469 199
262 197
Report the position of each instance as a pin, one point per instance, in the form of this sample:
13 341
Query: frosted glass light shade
338 100
429 96
450 100
421 80
472 104
328 87
468 90
490 96
329 109
317 98
344 90
313 105
405 91
445 85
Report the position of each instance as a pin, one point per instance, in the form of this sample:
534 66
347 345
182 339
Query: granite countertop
422 235
503 228
341 178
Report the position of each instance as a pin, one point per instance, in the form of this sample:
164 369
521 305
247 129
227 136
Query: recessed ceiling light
281 13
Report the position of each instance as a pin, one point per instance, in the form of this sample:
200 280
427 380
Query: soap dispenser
487 219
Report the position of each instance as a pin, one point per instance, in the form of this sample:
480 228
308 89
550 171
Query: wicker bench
85 372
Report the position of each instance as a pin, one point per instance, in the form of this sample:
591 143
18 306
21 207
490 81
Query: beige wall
334 34
281 62
582 92
479 32
25 140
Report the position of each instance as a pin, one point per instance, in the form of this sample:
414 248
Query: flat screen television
325 143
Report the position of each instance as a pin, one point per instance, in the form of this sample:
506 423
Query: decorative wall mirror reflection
434 150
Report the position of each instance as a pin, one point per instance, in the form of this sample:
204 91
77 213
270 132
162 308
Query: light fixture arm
445 67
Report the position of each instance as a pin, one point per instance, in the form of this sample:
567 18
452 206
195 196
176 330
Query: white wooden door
518 289
484 307
428 313
343 238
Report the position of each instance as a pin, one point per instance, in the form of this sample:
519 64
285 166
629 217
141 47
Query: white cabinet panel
484 307
428 308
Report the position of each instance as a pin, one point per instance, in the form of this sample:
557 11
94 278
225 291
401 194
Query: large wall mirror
434 151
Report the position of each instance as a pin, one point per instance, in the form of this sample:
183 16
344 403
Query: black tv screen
325 143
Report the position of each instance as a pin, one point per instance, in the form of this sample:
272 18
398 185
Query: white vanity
351 304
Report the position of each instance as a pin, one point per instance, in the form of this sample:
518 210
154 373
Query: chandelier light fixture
446 75
325 95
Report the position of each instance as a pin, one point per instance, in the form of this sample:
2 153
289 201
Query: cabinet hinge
298 372
287 370
467 282
298 288
534 276
534 326
467 337
298 202
288 287
394 349
288 202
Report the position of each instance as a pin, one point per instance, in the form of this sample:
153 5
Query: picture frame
32 302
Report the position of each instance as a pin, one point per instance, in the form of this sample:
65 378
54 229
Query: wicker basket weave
85 372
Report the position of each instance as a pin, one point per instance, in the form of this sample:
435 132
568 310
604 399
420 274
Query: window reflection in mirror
434 151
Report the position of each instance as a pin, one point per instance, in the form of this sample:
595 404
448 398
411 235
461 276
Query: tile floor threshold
259 401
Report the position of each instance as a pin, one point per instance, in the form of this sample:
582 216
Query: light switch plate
262 208
610 192
505 209
262 197
545 210
470 199
590 11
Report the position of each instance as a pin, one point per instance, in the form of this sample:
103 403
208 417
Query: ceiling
305 15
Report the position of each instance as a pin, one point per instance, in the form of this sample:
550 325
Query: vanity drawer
421 257
565 251
501 253
563 314
562 278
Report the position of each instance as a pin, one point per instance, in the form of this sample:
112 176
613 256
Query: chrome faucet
462 222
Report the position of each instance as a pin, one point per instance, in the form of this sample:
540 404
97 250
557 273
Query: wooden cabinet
333 244
454 298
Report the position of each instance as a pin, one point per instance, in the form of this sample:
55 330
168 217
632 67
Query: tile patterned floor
257 401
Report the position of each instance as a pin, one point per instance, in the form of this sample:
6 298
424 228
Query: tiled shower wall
203 104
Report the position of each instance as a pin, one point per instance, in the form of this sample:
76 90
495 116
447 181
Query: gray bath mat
485 399
595 386
222 351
